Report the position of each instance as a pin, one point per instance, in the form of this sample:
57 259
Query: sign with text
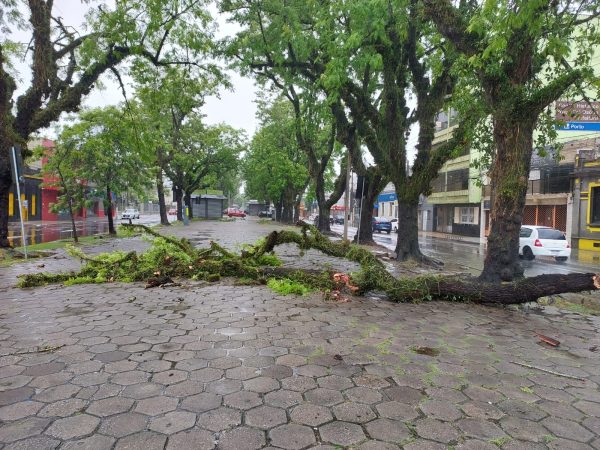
578 115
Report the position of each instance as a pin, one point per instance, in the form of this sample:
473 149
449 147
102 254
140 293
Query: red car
235 213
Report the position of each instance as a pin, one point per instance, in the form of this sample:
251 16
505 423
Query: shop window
595 206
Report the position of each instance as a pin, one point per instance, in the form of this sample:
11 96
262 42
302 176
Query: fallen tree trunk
170 257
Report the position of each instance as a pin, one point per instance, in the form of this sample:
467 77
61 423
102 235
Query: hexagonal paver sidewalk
206 366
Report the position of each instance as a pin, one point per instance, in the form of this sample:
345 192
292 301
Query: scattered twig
44 349
552 372
548 340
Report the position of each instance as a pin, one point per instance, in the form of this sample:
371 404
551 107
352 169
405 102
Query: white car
130 213
543 241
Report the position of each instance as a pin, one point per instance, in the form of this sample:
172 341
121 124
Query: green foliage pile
286 286
177 258
174 258
170 258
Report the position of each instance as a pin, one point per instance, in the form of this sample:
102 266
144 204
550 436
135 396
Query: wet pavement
470 256
38 232
201 366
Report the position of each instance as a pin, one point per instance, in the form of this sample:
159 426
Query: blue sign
581 126
389 197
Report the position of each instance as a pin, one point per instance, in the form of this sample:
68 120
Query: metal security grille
529 214
560 218
553 216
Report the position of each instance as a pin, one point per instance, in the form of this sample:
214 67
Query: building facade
456 191
586 202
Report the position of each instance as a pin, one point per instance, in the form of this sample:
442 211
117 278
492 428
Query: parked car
543 241
172 212
382 224
130 213
339 220
231 212
394 223
265 213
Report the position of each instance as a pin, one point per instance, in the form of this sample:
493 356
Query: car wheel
389 231
561 258
528 254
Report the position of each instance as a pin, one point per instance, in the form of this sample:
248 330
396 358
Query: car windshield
549 233
382 219
129 210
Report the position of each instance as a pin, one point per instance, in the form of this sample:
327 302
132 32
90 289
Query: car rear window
549 233
525 232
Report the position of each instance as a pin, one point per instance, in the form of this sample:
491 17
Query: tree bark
160 191
373 185
7 87
522 291
297 208
323 224
109 212
407 247
509 178
278 210
287 214
5 183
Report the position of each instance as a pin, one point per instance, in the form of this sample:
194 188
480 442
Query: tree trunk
408 227
7 87
73 226
109 212
5 183
324 215
324 210
188 204
509 178
160 190
297 208
278 210
373 186
287 214
179 200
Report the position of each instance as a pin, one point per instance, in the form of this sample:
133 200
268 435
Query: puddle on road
38 233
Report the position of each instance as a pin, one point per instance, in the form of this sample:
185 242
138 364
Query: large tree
66 63
314 127
202 155
367 58
170 100
275 168
524 55
106 153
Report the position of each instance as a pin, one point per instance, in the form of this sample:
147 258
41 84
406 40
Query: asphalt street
467 255
47 231
470 256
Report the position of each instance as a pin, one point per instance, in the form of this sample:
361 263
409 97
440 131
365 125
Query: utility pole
347 197
18 186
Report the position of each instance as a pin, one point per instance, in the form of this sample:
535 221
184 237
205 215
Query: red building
39 192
